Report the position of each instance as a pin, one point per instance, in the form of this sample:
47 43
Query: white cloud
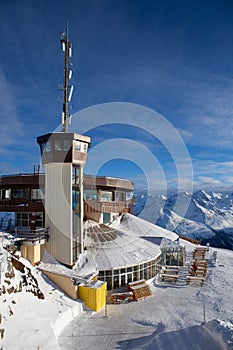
209 180
10 126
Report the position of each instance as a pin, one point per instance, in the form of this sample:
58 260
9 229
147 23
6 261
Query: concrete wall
32 252
63 282
58 211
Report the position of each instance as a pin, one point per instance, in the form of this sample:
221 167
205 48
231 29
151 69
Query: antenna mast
68 90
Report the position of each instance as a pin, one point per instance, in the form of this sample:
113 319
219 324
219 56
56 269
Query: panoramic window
46 147
90 195
66 145
106 196
58 145
129 195
19 193
37 193
120 196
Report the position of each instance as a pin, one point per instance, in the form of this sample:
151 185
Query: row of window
116 278
19 193
64 145
37 193
105 196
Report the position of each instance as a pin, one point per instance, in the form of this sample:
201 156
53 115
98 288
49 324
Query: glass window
123 280
129 195
7 194
23 219
129 278
106 218
58 145
106 196
120 196
75 197
37 193
19 193
39 219
46 147
66 145
77 146
90 195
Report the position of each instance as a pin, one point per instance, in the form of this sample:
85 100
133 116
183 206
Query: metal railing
32 235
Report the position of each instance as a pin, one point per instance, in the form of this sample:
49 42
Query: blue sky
174 57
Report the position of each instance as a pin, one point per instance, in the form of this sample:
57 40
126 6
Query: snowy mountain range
203 215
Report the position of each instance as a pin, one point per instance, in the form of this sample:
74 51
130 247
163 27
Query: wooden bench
135 283
141 291
175 267
198 273
168 278
195 279
168 271
120 298
201 249
200 258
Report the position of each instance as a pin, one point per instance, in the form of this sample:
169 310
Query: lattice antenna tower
67 89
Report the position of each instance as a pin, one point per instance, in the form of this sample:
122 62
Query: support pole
81 206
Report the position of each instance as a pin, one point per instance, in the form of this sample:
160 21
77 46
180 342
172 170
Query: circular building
127 250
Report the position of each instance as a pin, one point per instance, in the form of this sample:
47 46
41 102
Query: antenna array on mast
68 89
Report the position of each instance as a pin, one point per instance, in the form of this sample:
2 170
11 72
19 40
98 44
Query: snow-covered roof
129 223
83 271
167 243
128 241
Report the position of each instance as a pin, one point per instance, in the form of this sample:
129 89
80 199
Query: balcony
104 207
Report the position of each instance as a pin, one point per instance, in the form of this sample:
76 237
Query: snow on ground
178 316
26 321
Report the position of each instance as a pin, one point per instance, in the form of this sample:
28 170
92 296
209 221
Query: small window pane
58 145
37 193
77 146
66 145
84 147
90 194
19 193
46 147
120 196
106 196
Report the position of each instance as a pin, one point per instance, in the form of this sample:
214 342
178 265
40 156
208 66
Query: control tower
64 156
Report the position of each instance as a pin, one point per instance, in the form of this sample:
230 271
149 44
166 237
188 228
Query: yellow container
93 294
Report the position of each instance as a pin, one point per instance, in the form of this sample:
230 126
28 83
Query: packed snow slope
203 215
33 311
